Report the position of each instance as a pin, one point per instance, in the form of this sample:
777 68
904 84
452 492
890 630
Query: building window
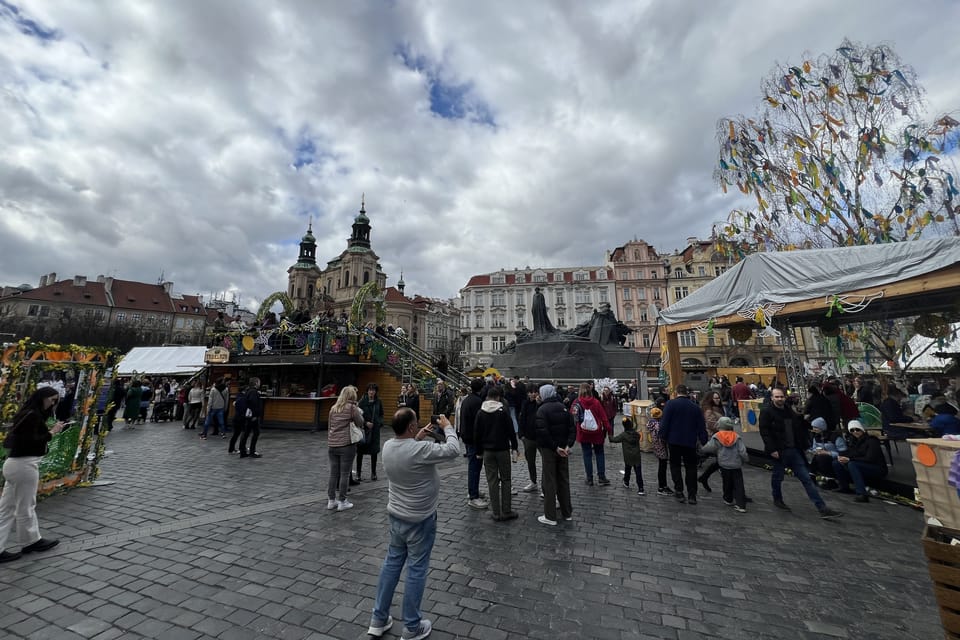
582 296
66 313
711 341
520 278
631 343
688 338
558 296
678 273
121 317
624 275
33 310
539 277
498 278
581 275
88 314
498 299
626 293
701 271
478 299
44 312
679 293
646 340
479 344
561 322
498 320
499 342
628 312
601 274
151 319
641 294
465 320
559 277
521 320
366 279
718 270
656 294
478 320
638 274
653 274
643 316
99 315
518 296
135 318
604 296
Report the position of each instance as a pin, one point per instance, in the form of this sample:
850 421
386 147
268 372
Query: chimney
79 281
100 278
43 281
52 278
107 284
692 241
167 287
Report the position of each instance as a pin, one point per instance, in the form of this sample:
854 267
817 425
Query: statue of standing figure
541 322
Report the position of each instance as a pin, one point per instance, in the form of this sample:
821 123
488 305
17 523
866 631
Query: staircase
415 365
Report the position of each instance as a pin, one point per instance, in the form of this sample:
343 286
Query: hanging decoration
849 303
931 326
762 314
707 327
740 332
829 326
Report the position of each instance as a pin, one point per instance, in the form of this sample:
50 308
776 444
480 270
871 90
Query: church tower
302 277
356 266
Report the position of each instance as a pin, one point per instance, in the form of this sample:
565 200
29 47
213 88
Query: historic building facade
495 306
641 277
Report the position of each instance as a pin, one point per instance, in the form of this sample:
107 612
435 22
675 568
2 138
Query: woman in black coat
372 409
27 441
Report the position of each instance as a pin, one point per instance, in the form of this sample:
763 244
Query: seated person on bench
823 450
891 409
862 461
945 421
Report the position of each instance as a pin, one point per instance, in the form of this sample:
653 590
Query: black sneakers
40 545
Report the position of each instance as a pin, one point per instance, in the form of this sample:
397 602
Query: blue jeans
410 544
513 416
474 466
589 451
859 472
794 460
214 417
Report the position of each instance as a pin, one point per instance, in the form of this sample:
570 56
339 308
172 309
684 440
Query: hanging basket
829 327
931 326
741 332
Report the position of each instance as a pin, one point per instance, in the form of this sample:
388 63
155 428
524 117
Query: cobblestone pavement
194 543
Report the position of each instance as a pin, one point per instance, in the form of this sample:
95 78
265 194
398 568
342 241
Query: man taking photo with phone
410 461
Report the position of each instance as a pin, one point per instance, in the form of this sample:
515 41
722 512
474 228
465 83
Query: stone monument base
569 360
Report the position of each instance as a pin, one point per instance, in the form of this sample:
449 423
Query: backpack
584 417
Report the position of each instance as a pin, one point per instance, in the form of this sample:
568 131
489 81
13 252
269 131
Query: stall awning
162 361
794 276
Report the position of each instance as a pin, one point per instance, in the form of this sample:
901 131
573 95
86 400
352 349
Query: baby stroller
163 410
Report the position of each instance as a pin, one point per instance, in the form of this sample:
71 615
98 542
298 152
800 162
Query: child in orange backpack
731 453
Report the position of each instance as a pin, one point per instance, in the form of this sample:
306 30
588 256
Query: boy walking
629 441
731 454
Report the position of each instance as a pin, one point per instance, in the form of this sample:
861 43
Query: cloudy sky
197 138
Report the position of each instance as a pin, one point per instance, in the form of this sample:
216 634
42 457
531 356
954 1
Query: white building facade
494 307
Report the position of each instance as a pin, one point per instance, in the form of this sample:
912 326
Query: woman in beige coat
340 451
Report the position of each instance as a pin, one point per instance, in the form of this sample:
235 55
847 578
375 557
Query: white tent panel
793 276
169 361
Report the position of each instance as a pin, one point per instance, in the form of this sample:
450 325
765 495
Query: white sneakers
547 521
477 503
530 488
331 505
377 631
422 631
343 505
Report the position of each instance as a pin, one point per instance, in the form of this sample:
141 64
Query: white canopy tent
162 361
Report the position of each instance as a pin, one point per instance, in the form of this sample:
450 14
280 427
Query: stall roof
169 361
795 276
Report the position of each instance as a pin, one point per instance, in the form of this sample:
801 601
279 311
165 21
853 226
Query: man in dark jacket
495 439
254 416
681 427
556 434
785 437
469 407
862 461
443 400
528 432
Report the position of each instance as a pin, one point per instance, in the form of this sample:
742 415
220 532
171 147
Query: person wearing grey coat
731 453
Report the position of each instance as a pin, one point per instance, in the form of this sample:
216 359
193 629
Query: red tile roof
140 296
65 291
189 304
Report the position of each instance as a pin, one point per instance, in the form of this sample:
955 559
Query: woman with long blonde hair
340 451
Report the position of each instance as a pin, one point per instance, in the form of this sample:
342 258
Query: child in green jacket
629 440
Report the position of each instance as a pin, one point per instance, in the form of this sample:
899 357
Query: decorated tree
840 154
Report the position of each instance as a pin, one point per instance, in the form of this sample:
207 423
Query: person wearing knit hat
818 424
659 450
862 461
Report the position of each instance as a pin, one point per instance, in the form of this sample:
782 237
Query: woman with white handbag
344 431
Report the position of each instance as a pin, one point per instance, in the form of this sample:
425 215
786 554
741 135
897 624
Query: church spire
400 283
361 227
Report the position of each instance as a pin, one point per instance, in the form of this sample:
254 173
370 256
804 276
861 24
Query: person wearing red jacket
592 430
